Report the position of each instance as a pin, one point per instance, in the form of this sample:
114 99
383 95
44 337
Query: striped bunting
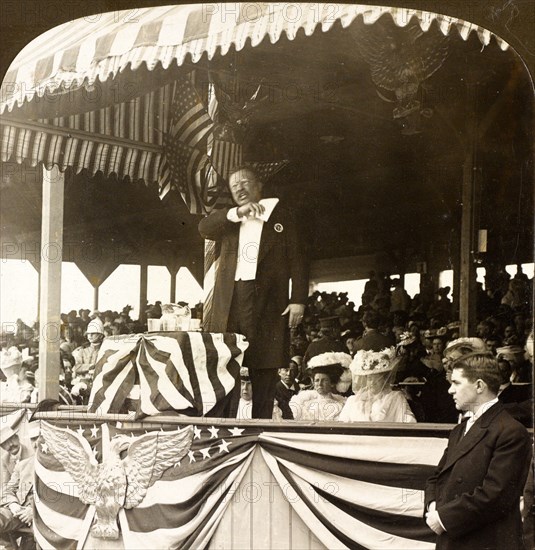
347 490
189 372
180 510
123 139
61 520
211 262
78 52
357 491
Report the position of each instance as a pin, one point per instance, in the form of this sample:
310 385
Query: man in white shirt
260 252
472 499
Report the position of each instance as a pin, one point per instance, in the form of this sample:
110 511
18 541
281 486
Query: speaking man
261 251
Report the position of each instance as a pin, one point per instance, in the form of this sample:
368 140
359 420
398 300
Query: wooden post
95 297
173 272
143 283
210 269
50 283
467 283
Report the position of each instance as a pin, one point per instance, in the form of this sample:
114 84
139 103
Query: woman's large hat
334 363
368 362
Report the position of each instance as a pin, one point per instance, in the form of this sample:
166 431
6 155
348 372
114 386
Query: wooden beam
173 272
143 284
467 284
95 296
50 283
82 134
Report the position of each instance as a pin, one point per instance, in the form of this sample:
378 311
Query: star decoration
236 431
196 433
191 457
223 447
205 453
44 448
80 431
213 432
176 464
94 431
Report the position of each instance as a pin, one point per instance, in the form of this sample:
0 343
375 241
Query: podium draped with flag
189 372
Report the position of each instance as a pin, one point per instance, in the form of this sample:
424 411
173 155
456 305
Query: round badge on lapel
278 227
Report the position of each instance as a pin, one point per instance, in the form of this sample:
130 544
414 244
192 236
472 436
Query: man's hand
432 519
250 210
26 515
15 508
296 312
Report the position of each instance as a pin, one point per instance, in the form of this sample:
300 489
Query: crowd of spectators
80 336
418 328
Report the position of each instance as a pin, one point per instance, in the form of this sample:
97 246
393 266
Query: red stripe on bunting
56 541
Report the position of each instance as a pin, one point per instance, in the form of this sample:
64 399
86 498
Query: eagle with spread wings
400 59
117 482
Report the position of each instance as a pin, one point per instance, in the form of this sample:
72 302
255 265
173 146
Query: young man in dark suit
261 251
472 500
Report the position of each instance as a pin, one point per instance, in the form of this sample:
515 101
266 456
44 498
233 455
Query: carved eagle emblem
117 482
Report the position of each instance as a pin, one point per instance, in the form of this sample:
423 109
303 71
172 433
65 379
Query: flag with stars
184 159
183 509
352 490
180 510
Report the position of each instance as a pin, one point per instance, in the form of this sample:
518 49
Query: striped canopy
124 135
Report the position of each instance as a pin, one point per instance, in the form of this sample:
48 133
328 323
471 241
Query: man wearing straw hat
261 251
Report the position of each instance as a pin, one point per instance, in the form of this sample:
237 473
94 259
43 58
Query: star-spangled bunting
347 486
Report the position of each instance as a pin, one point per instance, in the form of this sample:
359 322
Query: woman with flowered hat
374 399
330 374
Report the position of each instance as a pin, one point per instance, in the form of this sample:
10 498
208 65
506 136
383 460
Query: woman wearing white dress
374 399
329 372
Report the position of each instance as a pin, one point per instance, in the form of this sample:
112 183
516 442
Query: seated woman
374 399
321 403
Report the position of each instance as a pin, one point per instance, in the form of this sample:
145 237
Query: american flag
184 160
191 372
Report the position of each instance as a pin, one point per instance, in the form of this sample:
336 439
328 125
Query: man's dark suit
281 257
478 484
515 393
283 394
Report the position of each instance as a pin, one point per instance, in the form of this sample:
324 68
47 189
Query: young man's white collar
483 408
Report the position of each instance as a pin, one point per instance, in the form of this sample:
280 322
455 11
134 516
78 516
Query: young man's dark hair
481 366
